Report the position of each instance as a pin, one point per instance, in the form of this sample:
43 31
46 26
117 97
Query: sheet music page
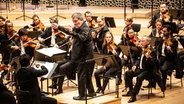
50 51
50 66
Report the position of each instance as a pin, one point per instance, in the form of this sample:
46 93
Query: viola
168 42
91 24
40 26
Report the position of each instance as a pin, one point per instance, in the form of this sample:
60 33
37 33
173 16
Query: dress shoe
78 98
98 90
58 91
129 93
91 94
132 99
53 86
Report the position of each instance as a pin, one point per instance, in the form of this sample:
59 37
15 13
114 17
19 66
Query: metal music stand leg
57 11
24 16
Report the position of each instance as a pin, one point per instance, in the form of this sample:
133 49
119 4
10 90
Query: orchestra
80 41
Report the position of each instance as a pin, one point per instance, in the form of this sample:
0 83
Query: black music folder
34 34
98 58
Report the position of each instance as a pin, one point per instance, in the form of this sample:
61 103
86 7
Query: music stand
110 22
57 15
24 16
155 41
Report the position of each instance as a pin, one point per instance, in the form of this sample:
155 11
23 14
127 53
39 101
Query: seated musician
90 22
168 54
24 44
108 69
48 37
128 25
26 78
99 34
144 68
157 31
132 41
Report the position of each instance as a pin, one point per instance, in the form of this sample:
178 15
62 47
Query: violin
38 27
135 40
59 33
165 16
147 52
111 47
30 42
12 35
91 24
4 67
168 42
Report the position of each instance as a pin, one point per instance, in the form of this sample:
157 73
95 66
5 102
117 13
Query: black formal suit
149 70
169 61
157 16
6 96
100 37
27 81
81 50
48 32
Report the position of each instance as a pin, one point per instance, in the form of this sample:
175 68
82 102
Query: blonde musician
99 33
48 37
162 14
90 22
108 69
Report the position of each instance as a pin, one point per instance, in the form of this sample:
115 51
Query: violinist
90 22
132 41
128 24
157 31
99 34
24 45
163 14
144 68
37 24
168 54
48 37
108 48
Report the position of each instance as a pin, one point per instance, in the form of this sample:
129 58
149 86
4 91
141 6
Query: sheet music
50 51
50 66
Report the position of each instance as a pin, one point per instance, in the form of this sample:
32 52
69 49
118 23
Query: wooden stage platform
142 16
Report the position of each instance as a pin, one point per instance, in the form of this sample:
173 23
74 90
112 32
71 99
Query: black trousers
110 71
84 73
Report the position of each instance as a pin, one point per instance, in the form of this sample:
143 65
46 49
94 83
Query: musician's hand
168 48
37 46
14 47
40 39
55 45
93 35
125 57
104 67
133 68
70 30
